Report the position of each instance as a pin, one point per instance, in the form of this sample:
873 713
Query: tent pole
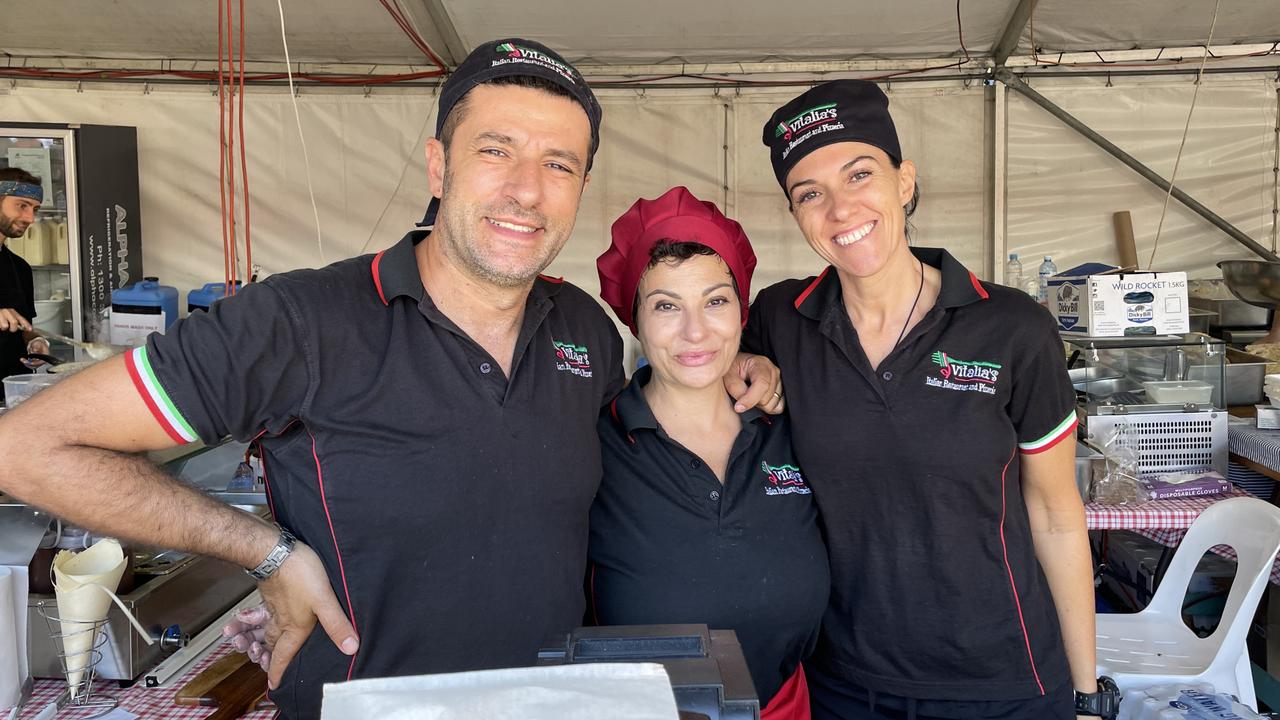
1015 83
995 186
1012 32
454 50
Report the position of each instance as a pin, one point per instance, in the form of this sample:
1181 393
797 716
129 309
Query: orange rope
244 168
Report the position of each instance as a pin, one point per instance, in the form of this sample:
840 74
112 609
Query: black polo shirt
16 293
448 503
670 544
936 590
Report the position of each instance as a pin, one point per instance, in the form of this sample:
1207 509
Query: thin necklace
915 302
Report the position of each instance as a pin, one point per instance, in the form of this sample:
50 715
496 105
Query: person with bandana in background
20 196
934 419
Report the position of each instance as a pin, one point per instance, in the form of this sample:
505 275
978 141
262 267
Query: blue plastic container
204 297
147 297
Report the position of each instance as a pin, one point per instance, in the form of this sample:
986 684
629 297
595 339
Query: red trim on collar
978 286
805 295
613 410
550 279
377 279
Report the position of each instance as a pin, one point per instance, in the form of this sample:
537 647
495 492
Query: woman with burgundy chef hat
935 422
703 515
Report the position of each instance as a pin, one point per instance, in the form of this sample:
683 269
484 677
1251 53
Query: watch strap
1105 703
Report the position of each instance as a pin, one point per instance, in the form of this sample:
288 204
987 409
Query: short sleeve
1042 405
241 368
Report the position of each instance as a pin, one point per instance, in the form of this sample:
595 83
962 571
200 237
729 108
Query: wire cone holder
79 693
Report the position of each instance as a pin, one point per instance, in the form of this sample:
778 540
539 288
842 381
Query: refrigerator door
49 244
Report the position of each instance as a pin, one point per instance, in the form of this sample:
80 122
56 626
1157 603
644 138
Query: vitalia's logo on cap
814 121
805 119
518 53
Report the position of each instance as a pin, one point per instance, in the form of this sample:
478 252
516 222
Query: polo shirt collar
395 270
959 286
631 410
395 273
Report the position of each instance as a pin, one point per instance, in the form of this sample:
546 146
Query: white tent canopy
610 32
998 173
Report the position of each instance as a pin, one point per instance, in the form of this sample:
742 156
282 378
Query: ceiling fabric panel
1063 189
1084 25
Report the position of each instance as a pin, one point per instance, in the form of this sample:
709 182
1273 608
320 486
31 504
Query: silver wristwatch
275 558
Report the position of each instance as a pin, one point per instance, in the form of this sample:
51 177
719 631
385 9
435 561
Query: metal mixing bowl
1256 282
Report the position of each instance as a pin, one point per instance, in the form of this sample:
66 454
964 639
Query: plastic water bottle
1047 270
1013 272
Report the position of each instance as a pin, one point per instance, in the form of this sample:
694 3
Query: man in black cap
426 416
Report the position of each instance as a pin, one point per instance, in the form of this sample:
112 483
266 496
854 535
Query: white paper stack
619 691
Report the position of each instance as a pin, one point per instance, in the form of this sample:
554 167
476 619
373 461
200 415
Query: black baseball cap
835 111
512 57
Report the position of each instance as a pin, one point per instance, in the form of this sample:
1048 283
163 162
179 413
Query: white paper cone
10 672
79 581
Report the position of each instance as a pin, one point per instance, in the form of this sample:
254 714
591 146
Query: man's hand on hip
296 596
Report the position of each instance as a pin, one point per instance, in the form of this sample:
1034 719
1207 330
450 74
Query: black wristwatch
1104 703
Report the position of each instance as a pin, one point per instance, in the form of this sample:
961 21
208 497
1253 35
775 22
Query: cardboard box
1097 300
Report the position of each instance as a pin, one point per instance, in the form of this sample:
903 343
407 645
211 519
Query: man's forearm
141 503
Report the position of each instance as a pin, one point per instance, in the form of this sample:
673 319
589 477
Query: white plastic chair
1154 646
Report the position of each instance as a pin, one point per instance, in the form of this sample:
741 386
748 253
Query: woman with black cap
934 419
702 515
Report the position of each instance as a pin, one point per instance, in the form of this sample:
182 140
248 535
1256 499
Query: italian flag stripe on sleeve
1053 437
157 400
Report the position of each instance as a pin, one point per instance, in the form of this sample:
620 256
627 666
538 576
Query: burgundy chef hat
677 216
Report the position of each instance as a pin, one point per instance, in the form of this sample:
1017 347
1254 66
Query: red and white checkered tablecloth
1173 513
150 704
1165 521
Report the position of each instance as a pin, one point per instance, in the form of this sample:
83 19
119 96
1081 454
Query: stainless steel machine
1163 389
174 595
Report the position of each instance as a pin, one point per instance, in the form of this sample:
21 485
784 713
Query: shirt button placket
485 368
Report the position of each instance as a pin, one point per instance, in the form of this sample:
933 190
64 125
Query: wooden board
239 693
197 691
233 684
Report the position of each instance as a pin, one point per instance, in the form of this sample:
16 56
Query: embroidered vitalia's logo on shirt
572 359
783 480
964 375
816 120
